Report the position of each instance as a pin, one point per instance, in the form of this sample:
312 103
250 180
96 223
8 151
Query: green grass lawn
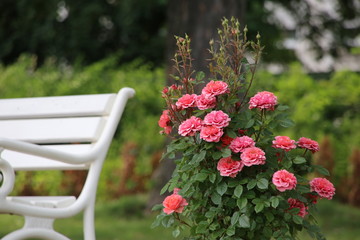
124 220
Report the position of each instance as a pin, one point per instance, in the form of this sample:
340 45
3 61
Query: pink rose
309 144
323 187
263 100
167 129
284 142
164 119
240 143
253 156
215 88
186 101
226 140
284 180
295 203
174 203
204 102
229 167
211 133
190 126
217 118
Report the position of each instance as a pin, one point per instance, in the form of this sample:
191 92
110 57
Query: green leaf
157 207
200 177
262 183
158 220
267 232
242 202
287 163
297 219
216 198
269 216
231 133
176 232
286 123
200 75
282 107
202 227
230 231
321 170
165 188
221 188
238 191
251 184
217 155
226 152
299 160
303 188
235 218
274 202
244 221
250 123
212 177
259 207
198 157
168 221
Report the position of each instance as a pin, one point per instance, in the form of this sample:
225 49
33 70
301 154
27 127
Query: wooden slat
63 106
53 130
21 161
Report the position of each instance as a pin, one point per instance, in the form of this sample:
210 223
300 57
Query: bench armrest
37 150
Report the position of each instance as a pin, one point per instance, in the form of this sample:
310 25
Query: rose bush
236 179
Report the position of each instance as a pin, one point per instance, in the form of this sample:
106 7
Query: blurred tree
325 30
86 30
90 30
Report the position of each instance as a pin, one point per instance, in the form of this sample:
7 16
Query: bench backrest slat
63 106
66 120
53 130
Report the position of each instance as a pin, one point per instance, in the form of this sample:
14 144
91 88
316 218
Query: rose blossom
186 101
215 88
253 156
263 100
309 144
323 187
164 121
240 143
284 142
190 126
217 118
211 133
174 203
204 102
229 167
284 180
295 203
226 140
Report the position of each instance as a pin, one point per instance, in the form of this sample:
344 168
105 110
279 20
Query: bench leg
35 227
89 225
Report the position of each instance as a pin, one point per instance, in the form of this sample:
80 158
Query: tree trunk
200 20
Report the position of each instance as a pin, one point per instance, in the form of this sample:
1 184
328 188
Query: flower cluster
235 173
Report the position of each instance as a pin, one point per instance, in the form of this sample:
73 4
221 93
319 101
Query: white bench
57 133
